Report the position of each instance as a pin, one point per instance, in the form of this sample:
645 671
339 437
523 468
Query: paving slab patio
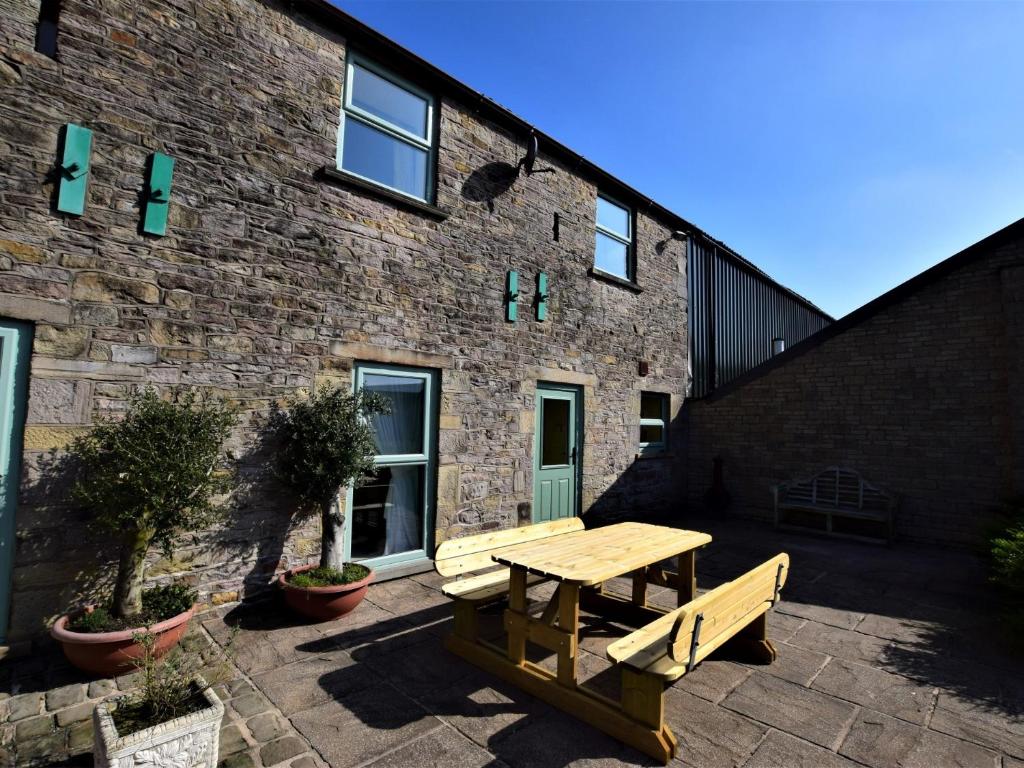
874 669
862 632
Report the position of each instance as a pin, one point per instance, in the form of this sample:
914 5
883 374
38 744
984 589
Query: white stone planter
191 741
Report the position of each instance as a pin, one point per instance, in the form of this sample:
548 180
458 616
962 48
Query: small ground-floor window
391 520
653 422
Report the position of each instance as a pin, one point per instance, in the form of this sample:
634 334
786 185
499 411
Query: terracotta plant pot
114 653
323 603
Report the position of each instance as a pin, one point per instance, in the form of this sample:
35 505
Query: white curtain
400 431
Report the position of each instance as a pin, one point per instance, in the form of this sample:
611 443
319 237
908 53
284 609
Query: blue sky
842 148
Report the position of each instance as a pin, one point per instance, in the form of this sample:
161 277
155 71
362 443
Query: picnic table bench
673 644
469 558
835 492
666 645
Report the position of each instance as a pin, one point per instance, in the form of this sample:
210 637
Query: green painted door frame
557 452
15 347
426 457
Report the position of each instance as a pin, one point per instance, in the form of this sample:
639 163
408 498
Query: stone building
339 212
920 390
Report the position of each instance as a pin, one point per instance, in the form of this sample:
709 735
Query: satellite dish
531 158
531 154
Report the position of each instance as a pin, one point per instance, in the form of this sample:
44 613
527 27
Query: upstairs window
653 422
613 248
387 130
46 30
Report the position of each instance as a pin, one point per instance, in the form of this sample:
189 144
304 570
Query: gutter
406 62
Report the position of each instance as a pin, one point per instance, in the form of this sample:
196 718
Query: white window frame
627 241
661 445
349 111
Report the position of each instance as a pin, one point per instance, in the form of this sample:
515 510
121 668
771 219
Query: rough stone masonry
272 279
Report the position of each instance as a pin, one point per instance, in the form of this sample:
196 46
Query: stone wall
271 280
921 393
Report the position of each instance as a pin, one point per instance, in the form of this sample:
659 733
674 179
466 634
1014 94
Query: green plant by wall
1006 547
325 444
172 686
151 475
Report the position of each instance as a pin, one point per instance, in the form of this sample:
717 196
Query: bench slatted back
726 609
838 488
456 557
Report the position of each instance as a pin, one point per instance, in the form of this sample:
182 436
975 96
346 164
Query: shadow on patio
886 655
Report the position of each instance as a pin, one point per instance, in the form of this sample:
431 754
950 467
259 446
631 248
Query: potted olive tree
175 716
154 473
325 444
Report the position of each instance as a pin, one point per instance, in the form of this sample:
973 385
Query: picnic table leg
640 587
517 603
467 624
687 577
568 621
753 641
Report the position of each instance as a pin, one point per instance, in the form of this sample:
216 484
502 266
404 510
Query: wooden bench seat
833 495
666 648
465 557
672 645
484 587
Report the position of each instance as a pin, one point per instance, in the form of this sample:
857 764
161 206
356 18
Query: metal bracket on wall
73 179
158 193
542 296
511 295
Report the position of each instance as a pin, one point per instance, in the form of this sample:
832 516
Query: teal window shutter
511 296
542 296
158 194
74 169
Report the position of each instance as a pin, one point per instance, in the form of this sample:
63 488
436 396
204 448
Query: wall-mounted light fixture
778 346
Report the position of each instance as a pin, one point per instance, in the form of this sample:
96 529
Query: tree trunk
332 538
130 569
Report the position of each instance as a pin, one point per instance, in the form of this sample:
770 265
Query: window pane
611 256
652 434
400 431
554 440
387 512
613 217
378 156
388 101
651 406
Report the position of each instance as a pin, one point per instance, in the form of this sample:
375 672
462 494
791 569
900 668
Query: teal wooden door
15 342
556 453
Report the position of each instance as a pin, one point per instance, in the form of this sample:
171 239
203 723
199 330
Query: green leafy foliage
157 468
154 473
325 442
330 577
173 686
158 604
1006 547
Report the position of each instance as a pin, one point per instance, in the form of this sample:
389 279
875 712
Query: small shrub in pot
174 718
146 477
325 443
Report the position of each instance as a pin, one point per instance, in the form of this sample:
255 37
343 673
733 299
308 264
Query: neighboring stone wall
270 281
924 397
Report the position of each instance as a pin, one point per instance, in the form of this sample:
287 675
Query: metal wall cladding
735 312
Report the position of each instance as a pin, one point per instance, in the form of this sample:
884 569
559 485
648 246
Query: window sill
657 455
334 176
629 285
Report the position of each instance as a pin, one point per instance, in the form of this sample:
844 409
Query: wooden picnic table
581 562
